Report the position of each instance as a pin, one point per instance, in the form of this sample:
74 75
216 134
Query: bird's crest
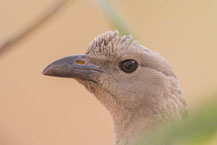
108 43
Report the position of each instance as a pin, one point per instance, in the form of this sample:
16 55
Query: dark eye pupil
128 66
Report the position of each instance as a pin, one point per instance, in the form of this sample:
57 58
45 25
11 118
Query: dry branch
6 45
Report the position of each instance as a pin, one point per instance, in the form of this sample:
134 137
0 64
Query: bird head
123 75
132 75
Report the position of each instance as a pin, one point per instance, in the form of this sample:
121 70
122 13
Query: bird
135 84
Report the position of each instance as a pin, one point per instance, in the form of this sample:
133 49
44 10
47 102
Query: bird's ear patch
108 43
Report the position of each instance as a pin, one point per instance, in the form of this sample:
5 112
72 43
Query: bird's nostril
80 62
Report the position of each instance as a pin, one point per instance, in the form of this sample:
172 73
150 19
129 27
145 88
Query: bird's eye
128 66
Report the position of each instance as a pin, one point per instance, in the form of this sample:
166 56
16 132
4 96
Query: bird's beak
76 66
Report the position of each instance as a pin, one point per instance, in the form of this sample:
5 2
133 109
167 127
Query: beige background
39 110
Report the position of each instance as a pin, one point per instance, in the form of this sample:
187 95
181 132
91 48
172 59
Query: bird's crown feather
108 43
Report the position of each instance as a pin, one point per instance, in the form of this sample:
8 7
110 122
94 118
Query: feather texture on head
109 43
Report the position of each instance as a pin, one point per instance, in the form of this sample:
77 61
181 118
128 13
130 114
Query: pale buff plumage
140 102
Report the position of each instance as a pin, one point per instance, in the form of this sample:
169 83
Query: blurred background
39 110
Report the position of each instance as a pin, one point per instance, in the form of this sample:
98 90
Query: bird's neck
129 126
133 126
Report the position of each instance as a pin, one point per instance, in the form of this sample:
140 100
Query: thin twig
6 45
